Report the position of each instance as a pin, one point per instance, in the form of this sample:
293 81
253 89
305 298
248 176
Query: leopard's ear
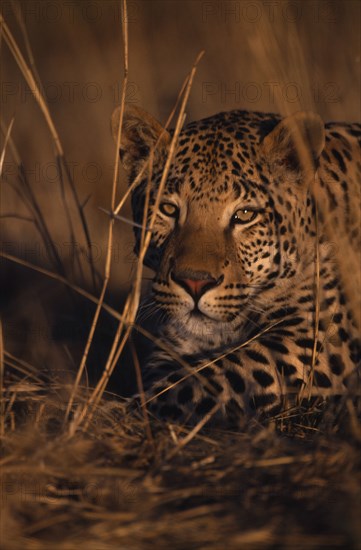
140 134
296 143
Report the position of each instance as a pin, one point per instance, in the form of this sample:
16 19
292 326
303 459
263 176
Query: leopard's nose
196 283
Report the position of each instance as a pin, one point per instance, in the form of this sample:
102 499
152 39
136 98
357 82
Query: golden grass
7 137
111 488
30 79
111 223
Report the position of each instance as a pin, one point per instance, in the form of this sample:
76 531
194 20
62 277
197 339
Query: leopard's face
230 236
229 232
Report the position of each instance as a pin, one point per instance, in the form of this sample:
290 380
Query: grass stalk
111 220
2 390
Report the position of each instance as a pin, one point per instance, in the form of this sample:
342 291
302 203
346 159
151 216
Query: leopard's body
255 237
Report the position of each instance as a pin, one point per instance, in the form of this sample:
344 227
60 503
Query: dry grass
79 468
110 487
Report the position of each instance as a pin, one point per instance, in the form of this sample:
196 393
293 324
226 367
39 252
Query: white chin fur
203 331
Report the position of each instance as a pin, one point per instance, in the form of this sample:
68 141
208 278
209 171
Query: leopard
255 248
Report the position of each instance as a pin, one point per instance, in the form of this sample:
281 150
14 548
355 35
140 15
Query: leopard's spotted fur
237 253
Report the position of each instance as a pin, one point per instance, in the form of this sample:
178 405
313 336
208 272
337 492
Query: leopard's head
234 220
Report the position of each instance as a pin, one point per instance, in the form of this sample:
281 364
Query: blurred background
278 56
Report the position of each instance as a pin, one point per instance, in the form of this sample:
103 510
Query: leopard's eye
243 216
169 209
